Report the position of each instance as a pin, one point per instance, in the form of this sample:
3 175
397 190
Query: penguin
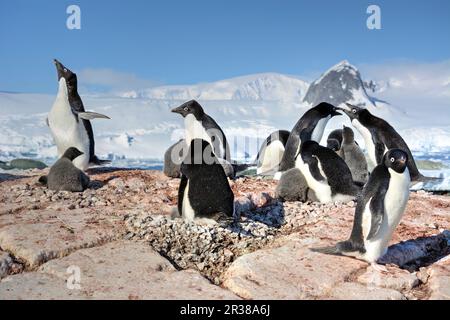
312 124
380 206
292 186
64 176
271 152
173 158
204 190
353 156
379 136
326 173
199 125
69 122
334 140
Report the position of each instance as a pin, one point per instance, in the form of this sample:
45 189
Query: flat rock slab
117 270
394 278
35 237
36 286
291 271
357 291
439 280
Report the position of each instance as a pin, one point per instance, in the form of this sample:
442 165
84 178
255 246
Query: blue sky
143 43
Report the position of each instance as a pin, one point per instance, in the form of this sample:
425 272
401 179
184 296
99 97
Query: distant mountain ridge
341 83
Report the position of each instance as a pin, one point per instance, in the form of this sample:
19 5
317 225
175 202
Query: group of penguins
337 172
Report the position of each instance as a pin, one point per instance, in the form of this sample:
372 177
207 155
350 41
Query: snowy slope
258 87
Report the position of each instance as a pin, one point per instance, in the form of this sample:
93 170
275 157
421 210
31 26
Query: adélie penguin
69 122
271 152
199 125
64 176
204 190
379 209
311 124
379 136
326 173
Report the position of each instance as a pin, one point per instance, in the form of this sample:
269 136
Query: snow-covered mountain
247 108
258 87
341 83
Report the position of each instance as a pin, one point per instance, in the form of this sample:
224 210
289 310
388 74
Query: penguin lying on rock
326 173
204 190
64 176
379 209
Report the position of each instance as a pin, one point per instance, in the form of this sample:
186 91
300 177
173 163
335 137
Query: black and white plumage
312 125
199 125
271 152
326 173
379 209
64 176
69 122
173 157
379 136
204 190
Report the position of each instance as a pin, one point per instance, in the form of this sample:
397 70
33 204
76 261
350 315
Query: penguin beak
335 113
59 68
178 110
348 112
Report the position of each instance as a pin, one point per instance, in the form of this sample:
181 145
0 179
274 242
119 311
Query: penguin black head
308 147
67 74
325 109
333 144
396 159
353 112
190 107
348 135
200 152
72 153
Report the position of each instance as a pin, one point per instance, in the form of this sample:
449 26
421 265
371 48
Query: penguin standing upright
63 175
353 156
69 122
199 125
311 124
379 136
326 173
204 190
271 152
379 209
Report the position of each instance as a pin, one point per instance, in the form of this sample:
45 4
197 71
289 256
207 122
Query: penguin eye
186 109
354 110
392 160
65 70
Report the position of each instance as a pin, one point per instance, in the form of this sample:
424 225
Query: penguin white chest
321 188
66 130
188 212
395 202
272 157
195 130
319 129
370 146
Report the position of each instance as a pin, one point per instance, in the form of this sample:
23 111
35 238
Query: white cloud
113 80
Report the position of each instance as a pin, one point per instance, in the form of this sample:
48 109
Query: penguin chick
65 176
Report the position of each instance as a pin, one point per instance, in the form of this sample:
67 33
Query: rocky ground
117 240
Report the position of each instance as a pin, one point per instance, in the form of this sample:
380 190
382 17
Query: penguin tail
43 180
98 162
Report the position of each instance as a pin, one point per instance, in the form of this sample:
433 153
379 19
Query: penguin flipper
377 211
88 115
379 152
